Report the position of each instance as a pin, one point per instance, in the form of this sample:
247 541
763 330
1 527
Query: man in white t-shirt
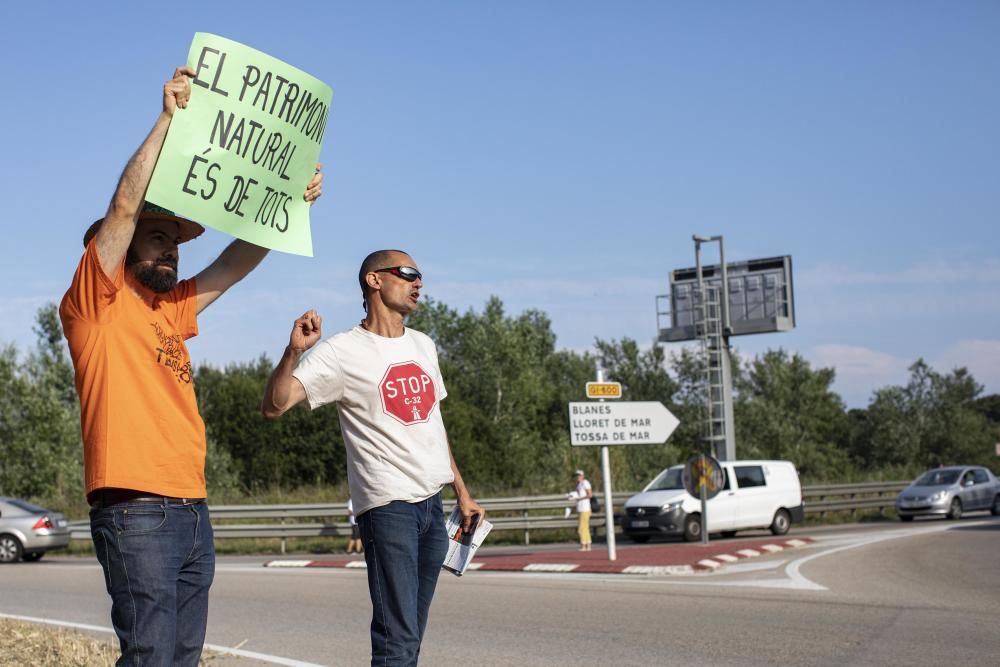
386 383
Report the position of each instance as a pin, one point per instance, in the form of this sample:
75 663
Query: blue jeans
405 544
158 561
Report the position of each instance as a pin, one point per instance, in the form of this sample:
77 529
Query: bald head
379 259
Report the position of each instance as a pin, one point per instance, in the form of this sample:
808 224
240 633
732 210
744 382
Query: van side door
723 508
755 496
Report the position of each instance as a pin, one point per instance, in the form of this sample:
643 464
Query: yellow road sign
703 471
604 390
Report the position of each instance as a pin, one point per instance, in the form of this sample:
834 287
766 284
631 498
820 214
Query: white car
756 494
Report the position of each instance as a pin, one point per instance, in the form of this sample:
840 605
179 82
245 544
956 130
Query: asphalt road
926 593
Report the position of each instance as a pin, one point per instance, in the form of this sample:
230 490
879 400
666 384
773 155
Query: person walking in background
386 383
354 543
582 495
126 317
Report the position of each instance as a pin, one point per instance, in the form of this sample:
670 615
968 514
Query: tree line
506 414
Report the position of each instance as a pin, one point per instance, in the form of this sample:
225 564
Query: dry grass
28 644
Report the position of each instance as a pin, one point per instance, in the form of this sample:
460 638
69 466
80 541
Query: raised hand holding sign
243 149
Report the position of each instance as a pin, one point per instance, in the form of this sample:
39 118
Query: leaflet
462 545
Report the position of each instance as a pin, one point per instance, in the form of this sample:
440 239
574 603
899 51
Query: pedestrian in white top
582 495
386 383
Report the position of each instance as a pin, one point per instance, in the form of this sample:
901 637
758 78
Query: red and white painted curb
719 560
518 564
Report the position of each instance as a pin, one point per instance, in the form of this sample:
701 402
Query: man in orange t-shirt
126 318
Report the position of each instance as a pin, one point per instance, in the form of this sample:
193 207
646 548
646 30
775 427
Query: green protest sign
239 157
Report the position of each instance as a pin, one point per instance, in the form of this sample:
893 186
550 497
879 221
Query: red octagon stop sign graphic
407 392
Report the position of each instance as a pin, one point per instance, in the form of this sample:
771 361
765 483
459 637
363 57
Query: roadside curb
681 560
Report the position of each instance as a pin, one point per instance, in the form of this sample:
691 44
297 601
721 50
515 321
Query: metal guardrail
850 497
524 513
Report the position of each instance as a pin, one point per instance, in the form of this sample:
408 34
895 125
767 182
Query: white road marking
752 566
263 657
658 569
799 580
287 563
550 567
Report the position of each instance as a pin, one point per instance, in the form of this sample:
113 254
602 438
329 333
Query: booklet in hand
462 544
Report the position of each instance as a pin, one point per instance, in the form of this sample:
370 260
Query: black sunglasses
407 273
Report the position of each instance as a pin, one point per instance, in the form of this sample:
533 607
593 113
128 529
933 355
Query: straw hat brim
186 229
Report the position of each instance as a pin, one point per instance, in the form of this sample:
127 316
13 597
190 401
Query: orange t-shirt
138 413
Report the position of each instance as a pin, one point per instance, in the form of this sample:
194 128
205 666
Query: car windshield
937 478
668 480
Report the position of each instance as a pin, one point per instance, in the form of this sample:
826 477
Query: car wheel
10 549
906 517
33 556
995 508
955 511
692 528
639 539
781 523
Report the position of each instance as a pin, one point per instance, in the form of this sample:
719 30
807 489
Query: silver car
27 531
950 492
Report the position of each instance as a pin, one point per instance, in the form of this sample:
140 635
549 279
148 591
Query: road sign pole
704 478
617 423
609 512
704 504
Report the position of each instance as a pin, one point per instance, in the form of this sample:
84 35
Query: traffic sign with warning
623 423
703 472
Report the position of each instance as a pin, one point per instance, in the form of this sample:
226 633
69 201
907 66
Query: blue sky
560 155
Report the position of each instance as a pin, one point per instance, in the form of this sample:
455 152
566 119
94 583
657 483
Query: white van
756 494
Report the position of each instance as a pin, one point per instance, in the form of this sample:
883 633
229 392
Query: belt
109 497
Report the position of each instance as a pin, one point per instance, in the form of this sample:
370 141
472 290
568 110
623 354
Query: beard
160 276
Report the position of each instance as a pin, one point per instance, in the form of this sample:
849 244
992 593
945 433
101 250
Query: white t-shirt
388 393
350 513
583 502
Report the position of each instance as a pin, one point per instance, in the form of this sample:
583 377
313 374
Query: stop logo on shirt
407 392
